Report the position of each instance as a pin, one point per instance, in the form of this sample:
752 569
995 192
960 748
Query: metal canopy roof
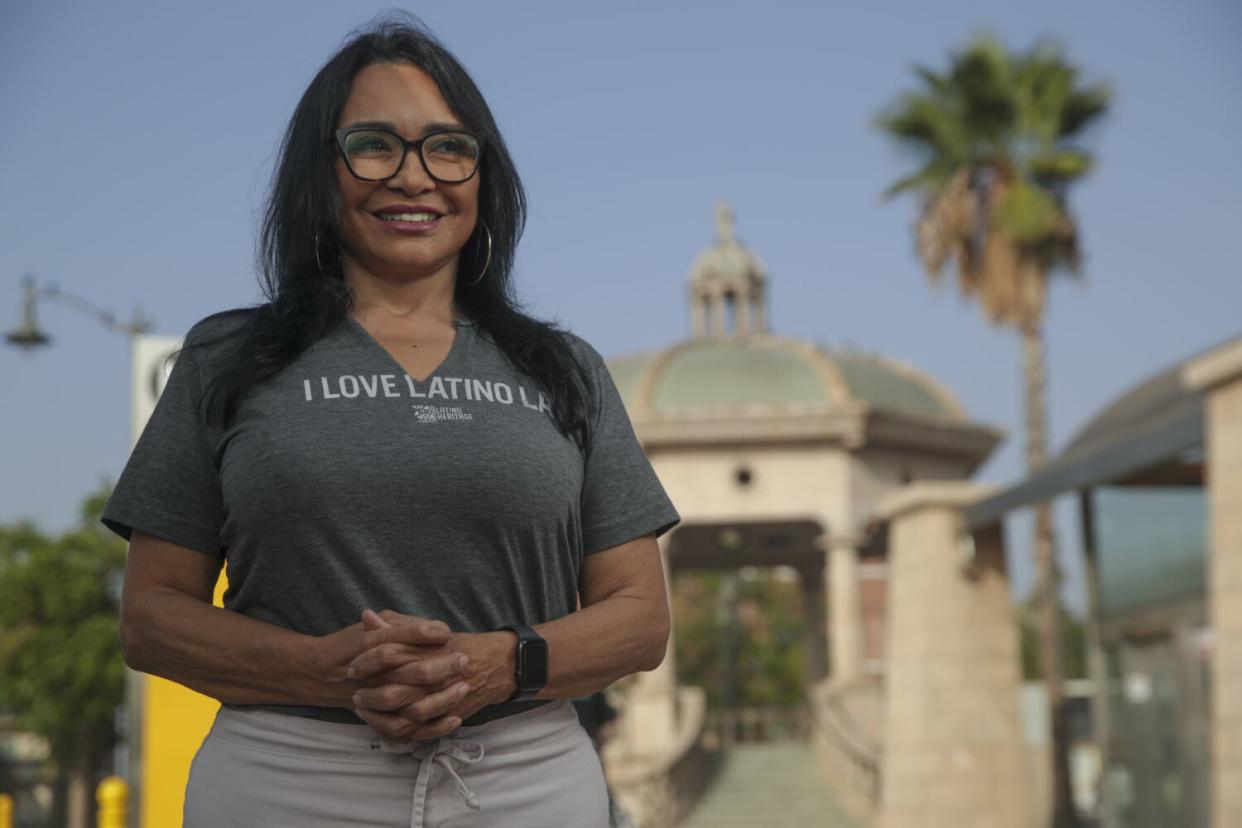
1150 428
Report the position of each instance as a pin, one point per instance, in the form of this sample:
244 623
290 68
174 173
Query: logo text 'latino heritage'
439 414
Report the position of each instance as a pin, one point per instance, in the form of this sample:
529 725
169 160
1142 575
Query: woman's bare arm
622 628
169 628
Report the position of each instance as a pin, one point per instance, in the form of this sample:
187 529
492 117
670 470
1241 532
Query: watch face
533 663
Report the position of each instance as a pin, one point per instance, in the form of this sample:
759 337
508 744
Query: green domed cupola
732 366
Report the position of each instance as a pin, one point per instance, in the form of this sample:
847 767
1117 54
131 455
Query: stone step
776 785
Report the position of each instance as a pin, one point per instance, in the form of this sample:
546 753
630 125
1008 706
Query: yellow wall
174 722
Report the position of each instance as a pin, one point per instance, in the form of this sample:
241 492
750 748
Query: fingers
427 716
399 729
413 701
401 629
373 621
429 672
379 660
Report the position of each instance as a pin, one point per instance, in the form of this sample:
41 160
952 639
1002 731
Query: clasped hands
415 679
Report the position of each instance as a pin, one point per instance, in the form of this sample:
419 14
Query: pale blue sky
138 137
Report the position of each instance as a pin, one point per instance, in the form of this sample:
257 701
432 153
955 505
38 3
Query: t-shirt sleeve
622 499
170 488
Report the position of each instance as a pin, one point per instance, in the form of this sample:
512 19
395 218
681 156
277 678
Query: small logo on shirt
440 414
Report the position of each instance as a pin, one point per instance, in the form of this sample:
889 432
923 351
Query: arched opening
748 622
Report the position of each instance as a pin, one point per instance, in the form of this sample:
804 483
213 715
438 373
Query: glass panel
1152 545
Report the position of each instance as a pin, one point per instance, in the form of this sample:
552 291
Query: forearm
587 651
228 656
613 638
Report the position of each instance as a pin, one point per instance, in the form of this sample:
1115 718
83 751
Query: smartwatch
531 662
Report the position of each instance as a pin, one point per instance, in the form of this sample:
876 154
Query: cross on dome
728 285
724 223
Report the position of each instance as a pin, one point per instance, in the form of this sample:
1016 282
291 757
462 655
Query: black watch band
530 662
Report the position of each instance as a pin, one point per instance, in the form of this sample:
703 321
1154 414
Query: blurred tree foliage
61 671
740 637
1073 644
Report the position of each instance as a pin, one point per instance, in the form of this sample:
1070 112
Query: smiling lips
409 218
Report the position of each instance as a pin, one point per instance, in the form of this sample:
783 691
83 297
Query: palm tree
995 139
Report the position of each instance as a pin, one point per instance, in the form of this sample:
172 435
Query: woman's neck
429 298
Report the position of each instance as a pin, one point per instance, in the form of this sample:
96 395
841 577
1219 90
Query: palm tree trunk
1047 591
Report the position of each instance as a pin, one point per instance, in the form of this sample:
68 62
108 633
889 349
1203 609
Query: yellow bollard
113 798
6 811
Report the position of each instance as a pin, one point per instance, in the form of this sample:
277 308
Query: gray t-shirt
344 484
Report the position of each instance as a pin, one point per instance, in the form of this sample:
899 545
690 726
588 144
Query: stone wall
953 748
658 789
1219 375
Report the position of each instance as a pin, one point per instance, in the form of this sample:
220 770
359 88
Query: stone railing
845 728
658 790
756 724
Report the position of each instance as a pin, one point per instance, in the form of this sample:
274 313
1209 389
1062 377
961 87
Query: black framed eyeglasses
450 156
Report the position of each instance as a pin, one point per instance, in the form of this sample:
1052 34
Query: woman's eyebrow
435 126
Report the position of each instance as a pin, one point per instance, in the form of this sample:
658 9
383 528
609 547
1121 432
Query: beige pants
259 769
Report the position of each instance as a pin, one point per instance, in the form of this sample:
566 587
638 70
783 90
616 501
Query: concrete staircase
772 785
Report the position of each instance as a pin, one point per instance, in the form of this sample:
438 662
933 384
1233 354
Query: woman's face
406 99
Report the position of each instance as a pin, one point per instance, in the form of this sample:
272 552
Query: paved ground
768 786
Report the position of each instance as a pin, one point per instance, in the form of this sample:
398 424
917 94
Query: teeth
408 216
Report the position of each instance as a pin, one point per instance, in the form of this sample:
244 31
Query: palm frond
1026 213
1083 107
990 134
946 224
926 126
928 180
938 85
1058 166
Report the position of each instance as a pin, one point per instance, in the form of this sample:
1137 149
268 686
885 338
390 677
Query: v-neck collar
461 329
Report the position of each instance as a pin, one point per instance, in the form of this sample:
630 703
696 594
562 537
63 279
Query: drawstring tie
443 752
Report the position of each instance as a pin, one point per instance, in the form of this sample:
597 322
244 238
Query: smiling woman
437 521
398 218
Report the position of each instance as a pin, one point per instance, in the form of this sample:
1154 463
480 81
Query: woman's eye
370 145
451 146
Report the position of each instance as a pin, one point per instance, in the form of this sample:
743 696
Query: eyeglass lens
376 154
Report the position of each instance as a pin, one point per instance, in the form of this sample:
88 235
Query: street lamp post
27 334
143 349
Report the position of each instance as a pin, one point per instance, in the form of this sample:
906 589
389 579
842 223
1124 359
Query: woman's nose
412 177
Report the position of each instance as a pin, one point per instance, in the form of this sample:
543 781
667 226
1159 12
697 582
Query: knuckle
425 708
394 696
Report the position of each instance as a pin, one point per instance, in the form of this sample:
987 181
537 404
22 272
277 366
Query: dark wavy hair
299 260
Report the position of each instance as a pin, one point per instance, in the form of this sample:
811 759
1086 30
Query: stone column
650 723
816 643
698 314
1218 375
718 312
844 609
741 310
953 747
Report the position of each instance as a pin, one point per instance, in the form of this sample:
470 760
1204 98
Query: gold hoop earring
487 262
